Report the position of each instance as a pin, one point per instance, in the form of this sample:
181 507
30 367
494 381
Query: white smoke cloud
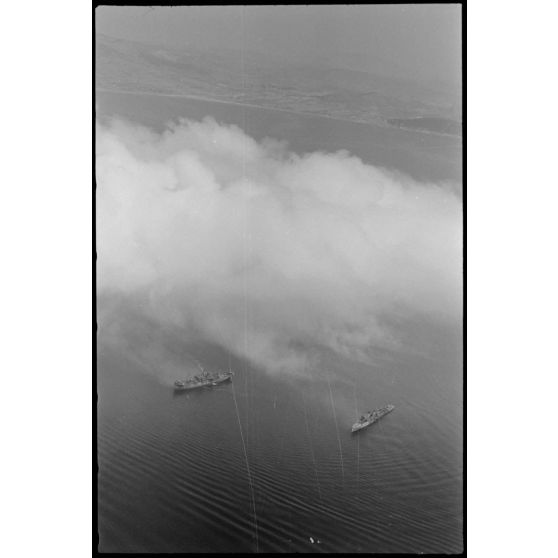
263 250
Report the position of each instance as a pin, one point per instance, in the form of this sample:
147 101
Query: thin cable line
247 466
337 431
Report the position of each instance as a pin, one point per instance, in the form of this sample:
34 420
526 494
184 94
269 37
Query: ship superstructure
204 379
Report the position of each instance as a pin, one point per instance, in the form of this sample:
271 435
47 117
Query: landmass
245 78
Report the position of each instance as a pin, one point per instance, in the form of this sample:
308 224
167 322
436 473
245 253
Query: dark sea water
265 463
173 475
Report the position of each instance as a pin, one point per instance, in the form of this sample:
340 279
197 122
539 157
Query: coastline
382 123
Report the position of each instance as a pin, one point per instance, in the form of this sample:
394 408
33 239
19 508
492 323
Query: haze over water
173 476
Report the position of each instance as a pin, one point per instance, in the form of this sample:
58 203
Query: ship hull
375 417
199 385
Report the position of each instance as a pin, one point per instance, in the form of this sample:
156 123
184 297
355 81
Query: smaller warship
371 417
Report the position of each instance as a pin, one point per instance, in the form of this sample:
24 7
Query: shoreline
382 124
250 105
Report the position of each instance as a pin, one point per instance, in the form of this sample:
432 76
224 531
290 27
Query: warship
371 417
204 379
